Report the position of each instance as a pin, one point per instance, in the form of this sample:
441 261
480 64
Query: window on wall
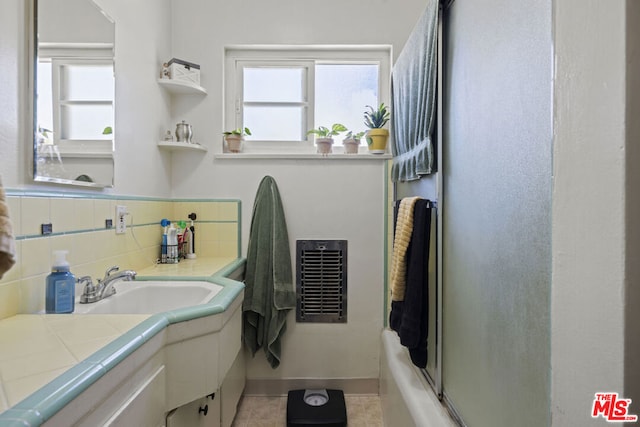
274 99
282 93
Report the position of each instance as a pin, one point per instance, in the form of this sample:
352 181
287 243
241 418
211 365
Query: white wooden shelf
86 155
181 146
182 88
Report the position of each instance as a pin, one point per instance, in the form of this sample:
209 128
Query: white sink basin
151 296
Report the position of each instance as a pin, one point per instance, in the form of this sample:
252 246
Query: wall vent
321 281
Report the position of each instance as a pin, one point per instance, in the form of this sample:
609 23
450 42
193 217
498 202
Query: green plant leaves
375 119
238 131
324 132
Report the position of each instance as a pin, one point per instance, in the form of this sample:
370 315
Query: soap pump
61 286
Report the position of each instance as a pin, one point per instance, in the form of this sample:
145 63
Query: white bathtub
407 399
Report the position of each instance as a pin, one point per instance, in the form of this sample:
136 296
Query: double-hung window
280 93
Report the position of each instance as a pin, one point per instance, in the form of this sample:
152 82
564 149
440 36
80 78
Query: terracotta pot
351 146
324 145
377 140
234 143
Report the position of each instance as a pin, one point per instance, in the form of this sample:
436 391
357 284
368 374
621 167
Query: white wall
143 38
73 21
589 196
317 201
14 166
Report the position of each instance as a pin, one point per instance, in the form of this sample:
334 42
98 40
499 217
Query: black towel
410 318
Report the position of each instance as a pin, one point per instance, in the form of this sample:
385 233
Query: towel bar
432 204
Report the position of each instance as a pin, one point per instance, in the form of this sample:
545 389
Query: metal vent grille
321 281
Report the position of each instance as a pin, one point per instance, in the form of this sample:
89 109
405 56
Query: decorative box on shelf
184 71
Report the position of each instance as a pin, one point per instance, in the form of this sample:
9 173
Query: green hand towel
269 292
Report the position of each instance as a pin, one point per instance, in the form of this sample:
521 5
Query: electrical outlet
121 224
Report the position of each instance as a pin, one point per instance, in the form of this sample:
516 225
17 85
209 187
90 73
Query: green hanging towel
269 291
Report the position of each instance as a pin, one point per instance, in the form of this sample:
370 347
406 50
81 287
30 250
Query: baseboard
280 387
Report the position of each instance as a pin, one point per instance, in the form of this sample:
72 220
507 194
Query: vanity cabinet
231 390
217 409
145 406
131 393
203 412
178 367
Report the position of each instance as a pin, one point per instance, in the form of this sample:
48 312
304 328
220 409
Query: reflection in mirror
74 93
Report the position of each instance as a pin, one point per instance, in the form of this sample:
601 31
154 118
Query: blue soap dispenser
61 286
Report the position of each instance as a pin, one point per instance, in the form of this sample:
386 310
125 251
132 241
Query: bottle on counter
172 245
61 286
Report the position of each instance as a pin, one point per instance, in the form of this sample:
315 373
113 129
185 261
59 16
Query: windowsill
304 156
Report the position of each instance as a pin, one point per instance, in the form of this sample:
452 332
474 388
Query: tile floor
262 411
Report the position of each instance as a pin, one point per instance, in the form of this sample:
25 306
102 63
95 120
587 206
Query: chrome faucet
104 288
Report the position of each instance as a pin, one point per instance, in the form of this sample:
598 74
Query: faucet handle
89 291
110 270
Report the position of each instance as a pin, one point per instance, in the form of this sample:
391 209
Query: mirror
74 91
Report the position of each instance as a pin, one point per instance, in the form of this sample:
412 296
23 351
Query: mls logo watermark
612 408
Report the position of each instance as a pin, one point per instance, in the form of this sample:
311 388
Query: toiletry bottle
61 286
188 241
172 240
182 226
163 246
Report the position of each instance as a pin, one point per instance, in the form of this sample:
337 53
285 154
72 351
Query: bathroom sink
150 297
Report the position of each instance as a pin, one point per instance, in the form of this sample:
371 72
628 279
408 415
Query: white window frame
307 56
61 55
58 89
308 68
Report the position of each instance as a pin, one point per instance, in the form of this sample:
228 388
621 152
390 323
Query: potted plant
351 142
377 137
324 135
234 139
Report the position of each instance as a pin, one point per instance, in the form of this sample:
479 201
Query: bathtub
406 397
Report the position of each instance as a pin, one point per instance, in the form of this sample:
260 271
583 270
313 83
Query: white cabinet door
231 390
145 408
203 412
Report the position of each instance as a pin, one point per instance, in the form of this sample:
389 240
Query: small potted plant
377 137
324 135
234 139
351 142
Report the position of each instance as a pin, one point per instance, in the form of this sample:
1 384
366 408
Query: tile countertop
37 348
199 267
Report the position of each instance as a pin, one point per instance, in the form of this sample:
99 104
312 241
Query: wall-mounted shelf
181 87
181 146
86 155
